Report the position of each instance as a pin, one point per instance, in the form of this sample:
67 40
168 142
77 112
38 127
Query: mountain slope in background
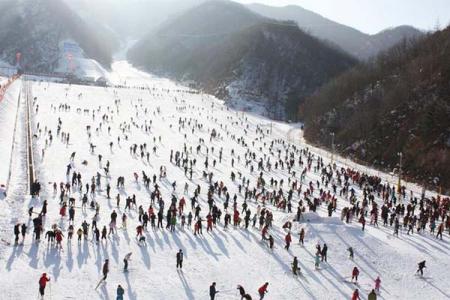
399 102
133 19
232 52
41 29
354 42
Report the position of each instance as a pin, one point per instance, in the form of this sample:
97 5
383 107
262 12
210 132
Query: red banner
4 86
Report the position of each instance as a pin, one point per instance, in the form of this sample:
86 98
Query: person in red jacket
362 220
288 240
42 283
181 205
236 218
62 211
139 230
264 232
209 222
377 284
263 290
355 274
355 295
59 236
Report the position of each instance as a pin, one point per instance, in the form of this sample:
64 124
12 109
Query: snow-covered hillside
158 116
39 35
73 61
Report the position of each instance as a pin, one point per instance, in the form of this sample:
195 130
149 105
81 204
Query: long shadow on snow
426 239
53 257
368 264
186 286
177 241
104 292
333 273
69 262
287 267
83 256
206 247
127 237
150 241
98 258
166 239
220 244
145 255
374 271
236 241
191 241
114 251
16 253
33 254
158 240
330 269
131 294
447 296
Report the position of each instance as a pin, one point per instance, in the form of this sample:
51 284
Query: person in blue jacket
120 292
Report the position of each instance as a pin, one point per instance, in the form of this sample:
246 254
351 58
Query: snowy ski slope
8 109
229 257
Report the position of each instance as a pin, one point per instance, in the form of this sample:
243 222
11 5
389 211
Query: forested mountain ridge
38 30
398 102
361 45
236 54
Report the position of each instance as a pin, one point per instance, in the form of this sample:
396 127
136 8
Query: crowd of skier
247 202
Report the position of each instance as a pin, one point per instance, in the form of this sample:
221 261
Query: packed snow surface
8 113
227 256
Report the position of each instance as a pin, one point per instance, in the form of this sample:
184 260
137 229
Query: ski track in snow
229 257
18 179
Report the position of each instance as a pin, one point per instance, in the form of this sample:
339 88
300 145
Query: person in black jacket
212 291
180 259
16 232
105 269
241 291
324 252
421 267
23 231
295 267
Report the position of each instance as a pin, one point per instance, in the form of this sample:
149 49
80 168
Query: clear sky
372 16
